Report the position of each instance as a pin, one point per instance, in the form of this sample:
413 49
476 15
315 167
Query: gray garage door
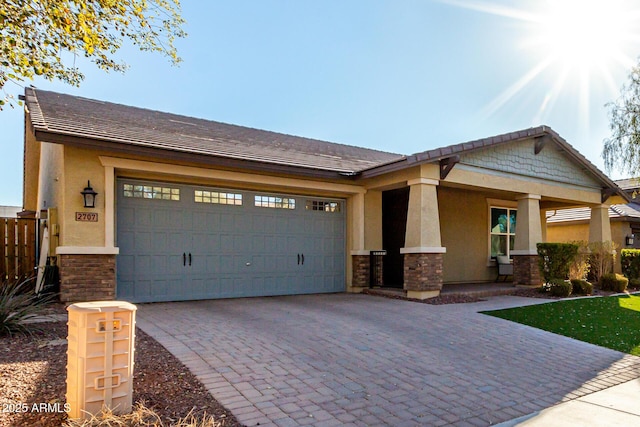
181 242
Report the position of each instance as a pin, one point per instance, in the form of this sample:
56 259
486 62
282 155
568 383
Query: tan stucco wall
373 220
81 166
567 233
31 164
464 228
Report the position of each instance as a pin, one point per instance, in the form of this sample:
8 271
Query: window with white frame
502 231
151 192
277 202
217 197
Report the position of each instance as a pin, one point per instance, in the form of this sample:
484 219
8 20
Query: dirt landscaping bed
33 371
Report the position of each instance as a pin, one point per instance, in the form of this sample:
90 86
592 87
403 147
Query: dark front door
395 204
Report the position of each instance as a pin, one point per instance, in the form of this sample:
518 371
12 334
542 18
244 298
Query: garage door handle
184 259
302 259
298 259
189 259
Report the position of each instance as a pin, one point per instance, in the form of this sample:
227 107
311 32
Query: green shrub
554 259
613 282
560 288
19 302
581 287
634 283
630 260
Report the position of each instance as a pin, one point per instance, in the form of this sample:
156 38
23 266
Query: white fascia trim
524 252
423 250
230 176
426 181
86 250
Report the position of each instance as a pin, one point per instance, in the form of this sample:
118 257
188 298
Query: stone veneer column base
525 271
423 275
360 266
87 277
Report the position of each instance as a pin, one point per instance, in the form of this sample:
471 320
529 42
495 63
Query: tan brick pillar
423 251
528 235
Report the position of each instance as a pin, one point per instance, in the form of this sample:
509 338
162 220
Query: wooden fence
18 247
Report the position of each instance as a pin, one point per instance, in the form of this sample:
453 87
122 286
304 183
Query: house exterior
565 225
194 209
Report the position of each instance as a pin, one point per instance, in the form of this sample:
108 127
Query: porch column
528 234
359 255
599 225
423 251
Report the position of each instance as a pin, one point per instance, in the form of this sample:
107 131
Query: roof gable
519 158
498 157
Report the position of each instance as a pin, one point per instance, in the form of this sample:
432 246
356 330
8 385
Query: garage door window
217 197
322 205
151 192
275 202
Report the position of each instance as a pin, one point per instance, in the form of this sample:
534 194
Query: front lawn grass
612 322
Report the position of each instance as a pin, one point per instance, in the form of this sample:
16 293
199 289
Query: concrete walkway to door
340 359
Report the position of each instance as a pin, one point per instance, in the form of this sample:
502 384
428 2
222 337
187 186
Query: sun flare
583 34
576 45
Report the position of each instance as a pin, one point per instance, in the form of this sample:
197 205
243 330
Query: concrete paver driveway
362 360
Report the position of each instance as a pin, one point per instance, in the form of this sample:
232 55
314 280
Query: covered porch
444 227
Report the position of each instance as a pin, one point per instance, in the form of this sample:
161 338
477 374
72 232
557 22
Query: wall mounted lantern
89 196
629 240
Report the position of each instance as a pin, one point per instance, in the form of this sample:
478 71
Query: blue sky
398 75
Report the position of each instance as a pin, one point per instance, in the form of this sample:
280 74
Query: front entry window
503 231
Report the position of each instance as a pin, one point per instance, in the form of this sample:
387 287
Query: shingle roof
629 183
65 118
74 116
629 211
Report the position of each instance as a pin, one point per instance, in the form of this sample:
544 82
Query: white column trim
425 181
529 196
423 250
86 250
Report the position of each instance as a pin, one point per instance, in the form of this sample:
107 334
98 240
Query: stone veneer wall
526 271
360 271
87 277
423 272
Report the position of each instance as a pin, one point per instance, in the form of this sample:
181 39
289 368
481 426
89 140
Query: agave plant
19 302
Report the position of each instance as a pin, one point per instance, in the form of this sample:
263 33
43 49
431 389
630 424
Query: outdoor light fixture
629 240
89 196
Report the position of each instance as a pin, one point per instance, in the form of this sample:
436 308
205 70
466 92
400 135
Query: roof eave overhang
197 158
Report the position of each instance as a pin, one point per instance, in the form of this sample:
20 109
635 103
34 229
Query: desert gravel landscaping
33 371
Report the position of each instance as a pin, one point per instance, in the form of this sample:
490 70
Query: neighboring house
9 211
565 225
193 209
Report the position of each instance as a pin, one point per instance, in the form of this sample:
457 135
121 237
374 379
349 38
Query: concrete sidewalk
616 406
